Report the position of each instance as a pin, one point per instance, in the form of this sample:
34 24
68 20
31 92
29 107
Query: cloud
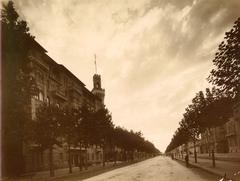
153 55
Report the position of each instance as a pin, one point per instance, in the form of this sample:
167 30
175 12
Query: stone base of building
38 160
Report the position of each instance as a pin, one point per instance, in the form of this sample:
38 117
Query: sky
153 55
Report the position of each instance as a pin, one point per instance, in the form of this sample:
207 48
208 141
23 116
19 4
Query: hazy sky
153 55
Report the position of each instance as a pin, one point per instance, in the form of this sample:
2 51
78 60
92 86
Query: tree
206 112
189 129
17 87
47 130
181 136
120 138
69 123
130 141
226 74
104 126
217 110
86 130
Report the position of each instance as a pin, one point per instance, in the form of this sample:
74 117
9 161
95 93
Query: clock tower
97 88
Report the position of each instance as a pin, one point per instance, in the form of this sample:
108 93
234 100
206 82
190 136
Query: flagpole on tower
95 62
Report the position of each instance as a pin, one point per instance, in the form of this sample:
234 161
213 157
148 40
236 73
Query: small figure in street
172 156
187 160
224 178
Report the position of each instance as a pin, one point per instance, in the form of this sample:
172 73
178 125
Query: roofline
71 74
36 44
63 68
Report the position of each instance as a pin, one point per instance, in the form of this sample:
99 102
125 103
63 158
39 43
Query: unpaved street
155 169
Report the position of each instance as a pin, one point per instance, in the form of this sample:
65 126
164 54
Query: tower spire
97 88
95 62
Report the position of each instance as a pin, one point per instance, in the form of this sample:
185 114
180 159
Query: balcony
58 94
55 78
75 89
38 61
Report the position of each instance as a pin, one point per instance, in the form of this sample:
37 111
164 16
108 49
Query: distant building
233 130
215 138
58 86
191 147
224 138
221 139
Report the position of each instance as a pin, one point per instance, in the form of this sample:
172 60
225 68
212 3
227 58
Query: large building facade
214 139
233 130
222 139
58 86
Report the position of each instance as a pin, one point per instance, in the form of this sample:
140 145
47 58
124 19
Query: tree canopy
208 109
226 74
17 87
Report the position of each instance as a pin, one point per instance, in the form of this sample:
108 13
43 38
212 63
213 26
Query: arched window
40 96
48 101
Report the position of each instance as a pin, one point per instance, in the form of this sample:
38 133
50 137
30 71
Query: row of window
40 97
98 156
40 78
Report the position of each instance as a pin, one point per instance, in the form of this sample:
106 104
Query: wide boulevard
156 169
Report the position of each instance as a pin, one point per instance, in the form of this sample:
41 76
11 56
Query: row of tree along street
213 107
76 127
83 127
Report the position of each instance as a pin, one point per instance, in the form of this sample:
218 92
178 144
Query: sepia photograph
120 90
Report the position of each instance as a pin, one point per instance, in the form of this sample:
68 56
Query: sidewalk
230 168
234 157
64 173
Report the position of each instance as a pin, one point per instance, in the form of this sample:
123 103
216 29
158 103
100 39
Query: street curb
205 169
233 159
48 178
105 169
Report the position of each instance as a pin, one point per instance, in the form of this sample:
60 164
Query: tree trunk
213 158
132 156
195 152
214 140
51 167
69 159
80 159
103 157
115 157
208 141
86 160
187 160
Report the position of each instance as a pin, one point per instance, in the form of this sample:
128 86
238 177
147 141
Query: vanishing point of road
156 169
